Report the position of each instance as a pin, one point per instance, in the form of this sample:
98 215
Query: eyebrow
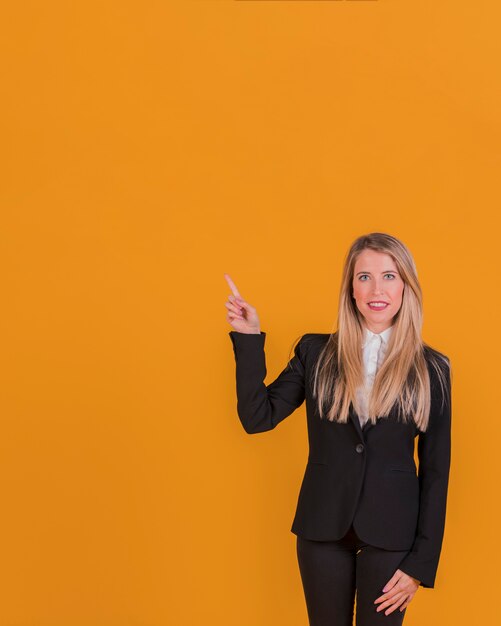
385 272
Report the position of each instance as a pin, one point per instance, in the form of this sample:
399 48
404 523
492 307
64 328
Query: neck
378 328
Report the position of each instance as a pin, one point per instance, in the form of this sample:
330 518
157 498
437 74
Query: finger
399 597
233 307
236 314
395 606
236 301
407 578
393 580
241 303
385 596
232 285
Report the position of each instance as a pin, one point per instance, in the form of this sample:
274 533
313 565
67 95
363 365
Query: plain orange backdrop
149 147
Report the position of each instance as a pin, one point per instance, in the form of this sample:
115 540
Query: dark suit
362 476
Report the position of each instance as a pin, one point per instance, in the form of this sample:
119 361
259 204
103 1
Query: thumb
393 580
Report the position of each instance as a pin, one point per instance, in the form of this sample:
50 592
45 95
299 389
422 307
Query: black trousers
334 572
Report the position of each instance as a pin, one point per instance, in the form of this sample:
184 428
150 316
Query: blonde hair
403 379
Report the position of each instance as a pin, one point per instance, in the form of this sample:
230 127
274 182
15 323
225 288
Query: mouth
377 305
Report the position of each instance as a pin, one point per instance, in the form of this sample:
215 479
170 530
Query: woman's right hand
241 315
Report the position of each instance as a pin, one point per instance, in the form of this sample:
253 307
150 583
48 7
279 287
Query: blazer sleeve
260 407
434 453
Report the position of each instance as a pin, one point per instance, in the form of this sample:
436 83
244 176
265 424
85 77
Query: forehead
372 260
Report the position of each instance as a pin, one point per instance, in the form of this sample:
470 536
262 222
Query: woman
369 528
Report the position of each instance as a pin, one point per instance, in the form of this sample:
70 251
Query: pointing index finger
232 285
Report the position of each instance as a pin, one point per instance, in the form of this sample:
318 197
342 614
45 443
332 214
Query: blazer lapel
353 415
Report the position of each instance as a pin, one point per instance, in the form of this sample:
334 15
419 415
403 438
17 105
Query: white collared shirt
373 349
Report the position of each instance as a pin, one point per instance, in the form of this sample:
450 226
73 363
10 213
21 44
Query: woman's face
376 279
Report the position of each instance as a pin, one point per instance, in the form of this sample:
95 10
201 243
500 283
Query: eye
387 274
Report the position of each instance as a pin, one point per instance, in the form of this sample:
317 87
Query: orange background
149 147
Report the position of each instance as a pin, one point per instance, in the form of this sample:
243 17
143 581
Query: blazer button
360 447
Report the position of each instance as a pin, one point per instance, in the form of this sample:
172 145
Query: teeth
378 305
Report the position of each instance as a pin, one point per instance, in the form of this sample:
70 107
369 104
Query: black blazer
365 476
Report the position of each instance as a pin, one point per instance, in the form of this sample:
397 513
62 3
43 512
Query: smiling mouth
379 305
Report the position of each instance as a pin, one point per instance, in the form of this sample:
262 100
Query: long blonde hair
403 379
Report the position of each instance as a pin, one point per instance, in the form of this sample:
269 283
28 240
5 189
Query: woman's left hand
399 591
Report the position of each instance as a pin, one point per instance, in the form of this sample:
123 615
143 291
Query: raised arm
260 407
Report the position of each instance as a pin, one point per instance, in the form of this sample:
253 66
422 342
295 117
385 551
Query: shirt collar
385 335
